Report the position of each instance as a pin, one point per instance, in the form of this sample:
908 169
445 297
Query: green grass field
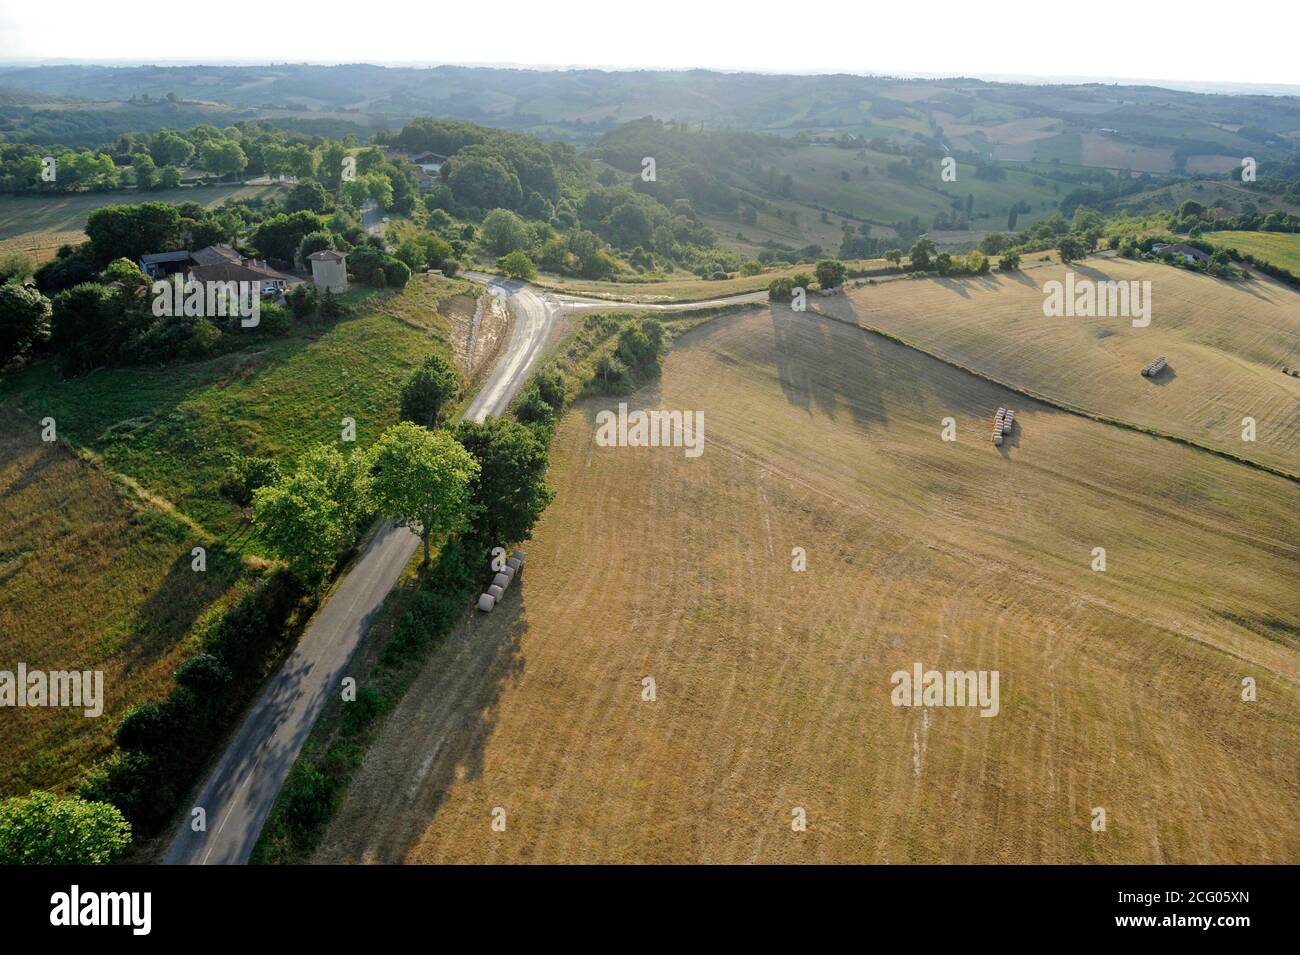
95 547
172 428
1279 248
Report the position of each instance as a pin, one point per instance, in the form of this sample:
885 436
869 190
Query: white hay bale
486 602
501 580
509 571
514 564
520 554
997 440
495 592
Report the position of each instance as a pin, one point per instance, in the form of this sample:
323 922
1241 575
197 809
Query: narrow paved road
240 791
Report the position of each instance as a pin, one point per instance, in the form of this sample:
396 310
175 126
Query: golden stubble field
1119 690
1226 343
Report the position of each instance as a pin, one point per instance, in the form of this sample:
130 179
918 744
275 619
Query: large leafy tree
42 829
130 231
483 180
517 266
830 273
511 492
24 320
505 232
279 236
428 390
311 515
923 250
224 157
424 479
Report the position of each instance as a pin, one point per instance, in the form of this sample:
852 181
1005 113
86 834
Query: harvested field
772 687
1224 341
91 578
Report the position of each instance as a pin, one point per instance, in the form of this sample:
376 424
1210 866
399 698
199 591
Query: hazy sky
1252 42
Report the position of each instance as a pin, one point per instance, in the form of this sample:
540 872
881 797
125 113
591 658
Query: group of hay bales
1002 424
513 568
1293 372
1003 421
1154 368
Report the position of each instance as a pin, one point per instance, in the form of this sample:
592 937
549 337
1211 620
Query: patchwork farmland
1120 688
1225 342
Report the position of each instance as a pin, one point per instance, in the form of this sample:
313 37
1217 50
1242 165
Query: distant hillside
1144 128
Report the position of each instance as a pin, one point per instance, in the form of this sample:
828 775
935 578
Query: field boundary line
1064 406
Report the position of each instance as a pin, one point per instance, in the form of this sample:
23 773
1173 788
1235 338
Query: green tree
830 273
16 267
428 390
223 157
1010 261
309 195
169 177
505 232
309 516
130 231
1071 248
517 266
920 255
279 236
511 492
170 148
42 829
24 321
893 257
423 479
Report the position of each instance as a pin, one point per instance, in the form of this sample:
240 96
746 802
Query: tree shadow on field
1018 276
181 597
452 707
823 360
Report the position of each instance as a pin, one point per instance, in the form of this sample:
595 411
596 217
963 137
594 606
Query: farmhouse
216 263
1188 253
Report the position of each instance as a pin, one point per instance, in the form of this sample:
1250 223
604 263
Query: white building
329 270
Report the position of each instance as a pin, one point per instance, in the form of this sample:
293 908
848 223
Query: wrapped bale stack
1154 368
513 568
999 421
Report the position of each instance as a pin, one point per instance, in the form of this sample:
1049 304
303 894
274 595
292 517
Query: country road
239 792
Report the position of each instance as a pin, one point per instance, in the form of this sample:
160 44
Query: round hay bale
509 571
997 440
495 592
501 580
486 602
520 554
513 565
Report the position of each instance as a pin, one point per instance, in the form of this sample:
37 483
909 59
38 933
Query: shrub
396 272
203 340
533 409
551 386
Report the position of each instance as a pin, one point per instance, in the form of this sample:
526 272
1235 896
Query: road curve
238 794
